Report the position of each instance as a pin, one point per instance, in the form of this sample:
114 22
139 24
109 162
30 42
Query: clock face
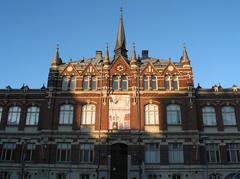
170 68
69 69
120 68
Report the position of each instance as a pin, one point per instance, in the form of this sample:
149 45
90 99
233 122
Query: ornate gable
119 66
170 69
70 71
149 69
90 70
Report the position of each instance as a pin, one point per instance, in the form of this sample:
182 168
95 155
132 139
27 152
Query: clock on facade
120 68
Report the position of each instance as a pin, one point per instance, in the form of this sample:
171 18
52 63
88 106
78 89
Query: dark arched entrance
119 161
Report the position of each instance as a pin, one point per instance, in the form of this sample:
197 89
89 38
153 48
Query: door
119 161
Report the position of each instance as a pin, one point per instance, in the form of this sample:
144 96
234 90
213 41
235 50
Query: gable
90 70
149 70
119 66
170 69
69 71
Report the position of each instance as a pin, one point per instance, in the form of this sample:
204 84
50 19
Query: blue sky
30 30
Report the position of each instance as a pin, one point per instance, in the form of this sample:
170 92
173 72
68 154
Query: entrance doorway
119 161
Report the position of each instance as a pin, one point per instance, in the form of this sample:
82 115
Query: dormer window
145 82
115 83
85 82
175 83
154 82
94 83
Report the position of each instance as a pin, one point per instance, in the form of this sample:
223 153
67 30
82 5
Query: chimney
98 54
144 54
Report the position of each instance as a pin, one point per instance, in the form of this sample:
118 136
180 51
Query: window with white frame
1 110
94 83
173 114
214 176
63 152
73 82
28 152
8 151
88 114
151 114
115 82
213 154
84 176
175 83
86 153
65 81
85 83
152 153
233 153
154 82
32 115
209 116
124 83
167 83
175 153
145 82
14 115
228 115
176 176
66 114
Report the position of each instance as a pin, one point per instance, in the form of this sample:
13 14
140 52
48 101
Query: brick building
120 118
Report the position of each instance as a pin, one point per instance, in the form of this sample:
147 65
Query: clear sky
30 30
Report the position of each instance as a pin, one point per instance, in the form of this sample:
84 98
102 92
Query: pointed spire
184 57
133 59
106 60
56 59
120 48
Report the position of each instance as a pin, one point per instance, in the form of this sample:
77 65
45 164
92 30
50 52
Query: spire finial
106 60
133 60
56 59
121 12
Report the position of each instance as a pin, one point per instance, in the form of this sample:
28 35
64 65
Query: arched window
145 82
228 115
124 83
154 82
115 82
167 83
173 114
94 83
73 83
175 83
209 116
66 114
151 114
14 115
85 82
1 110
88 114
65 81
32 115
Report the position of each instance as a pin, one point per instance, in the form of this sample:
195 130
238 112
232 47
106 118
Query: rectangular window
213 154
175 84
61 176
5 175
233 153
8 151
175 153
28 151
14 115
152 153
167 84
84 176
86 153
63 152
32 115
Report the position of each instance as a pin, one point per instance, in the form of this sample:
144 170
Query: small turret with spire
106 60
120 48
184 58
56 59
134 58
